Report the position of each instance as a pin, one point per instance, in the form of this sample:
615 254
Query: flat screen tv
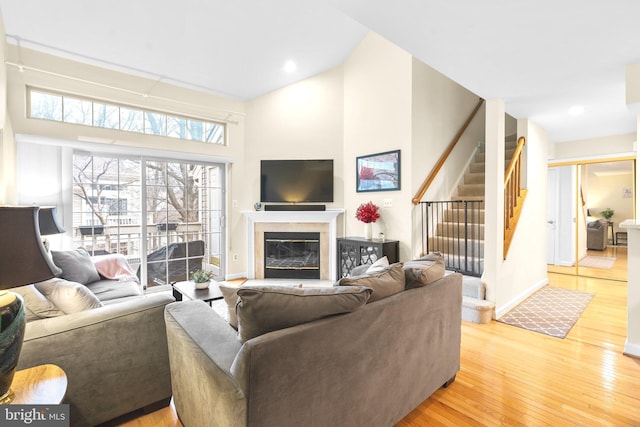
296 181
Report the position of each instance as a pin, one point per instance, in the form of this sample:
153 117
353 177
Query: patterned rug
597 262
551 311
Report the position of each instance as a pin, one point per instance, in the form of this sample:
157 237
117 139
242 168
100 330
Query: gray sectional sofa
370 366
107 336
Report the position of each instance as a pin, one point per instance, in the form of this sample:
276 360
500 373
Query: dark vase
12 324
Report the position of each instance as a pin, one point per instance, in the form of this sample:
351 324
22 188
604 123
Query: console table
355 251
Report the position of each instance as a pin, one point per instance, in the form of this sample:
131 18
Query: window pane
46 106
77 111
196 130
213 132
106 116
176 127
155 123
131 120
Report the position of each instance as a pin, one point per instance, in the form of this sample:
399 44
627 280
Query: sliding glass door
165 217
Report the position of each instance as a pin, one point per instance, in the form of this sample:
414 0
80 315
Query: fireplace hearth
291 255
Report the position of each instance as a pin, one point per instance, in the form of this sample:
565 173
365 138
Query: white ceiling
541 57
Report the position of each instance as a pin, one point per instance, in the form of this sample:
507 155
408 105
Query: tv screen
296 181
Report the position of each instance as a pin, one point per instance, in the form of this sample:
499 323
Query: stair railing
443 158
513 194
456 230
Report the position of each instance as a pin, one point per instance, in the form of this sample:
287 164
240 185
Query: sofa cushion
385 283
230 294
76 266
70 297
37 305
423 271
263 309
108 290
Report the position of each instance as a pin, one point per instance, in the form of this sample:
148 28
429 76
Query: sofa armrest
115 357
202 347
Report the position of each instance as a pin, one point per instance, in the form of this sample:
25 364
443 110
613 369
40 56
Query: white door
552 216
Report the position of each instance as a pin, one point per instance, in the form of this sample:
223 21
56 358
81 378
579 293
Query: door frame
577 193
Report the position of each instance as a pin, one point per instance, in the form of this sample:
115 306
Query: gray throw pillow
70 297
76 266
38 306
386 283
424 271
263 309
230 294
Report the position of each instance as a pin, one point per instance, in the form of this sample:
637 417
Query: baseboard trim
502 310
235 276
631 349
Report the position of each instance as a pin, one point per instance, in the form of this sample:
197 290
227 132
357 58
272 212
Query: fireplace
291 255
260 223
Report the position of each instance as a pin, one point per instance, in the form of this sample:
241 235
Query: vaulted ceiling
541 57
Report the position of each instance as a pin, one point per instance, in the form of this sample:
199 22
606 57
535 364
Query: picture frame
378 172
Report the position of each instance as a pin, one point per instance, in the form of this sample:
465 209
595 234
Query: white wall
377 118
595 147
525 268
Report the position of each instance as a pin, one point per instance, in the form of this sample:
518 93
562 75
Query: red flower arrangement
367 212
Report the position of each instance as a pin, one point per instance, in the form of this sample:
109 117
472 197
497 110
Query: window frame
205 123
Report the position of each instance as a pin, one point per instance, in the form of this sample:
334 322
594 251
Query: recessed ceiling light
576 110
289 66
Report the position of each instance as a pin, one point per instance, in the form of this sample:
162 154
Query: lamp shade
23 258
48 217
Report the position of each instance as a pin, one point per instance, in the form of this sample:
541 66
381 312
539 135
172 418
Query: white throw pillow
378 266
38 306
70 297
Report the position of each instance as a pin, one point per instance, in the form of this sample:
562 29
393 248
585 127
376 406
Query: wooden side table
40 385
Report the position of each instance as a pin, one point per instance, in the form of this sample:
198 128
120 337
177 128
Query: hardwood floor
510 376
618 272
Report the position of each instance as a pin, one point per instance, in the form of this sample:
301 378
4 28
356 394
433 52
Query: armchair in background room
597 235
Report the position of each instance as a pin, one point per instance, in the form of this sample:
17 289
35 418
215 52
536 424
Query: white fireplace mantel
328 217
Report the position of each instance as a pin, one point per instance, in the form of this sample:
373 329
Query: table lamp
48 220
23 260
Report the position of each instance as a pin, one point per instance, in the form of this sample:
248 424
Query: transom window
92 112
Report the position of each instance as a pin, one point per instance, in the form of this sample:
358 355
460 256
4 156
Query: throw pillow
378 266
76 266
70 297
230 294
263 309
423 271
37 305
386 283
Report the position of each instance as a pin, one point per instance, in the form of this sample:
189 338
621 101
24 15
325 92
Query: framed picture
378 172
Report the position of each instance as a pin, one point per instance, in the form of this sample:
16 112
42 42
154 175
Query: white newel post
632 344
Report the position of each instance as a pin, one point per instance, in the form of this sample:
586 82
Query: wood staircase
459 234
451 225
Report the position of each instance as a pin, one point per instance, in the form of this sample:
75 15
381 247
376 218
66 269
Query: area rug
551 311
597 262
